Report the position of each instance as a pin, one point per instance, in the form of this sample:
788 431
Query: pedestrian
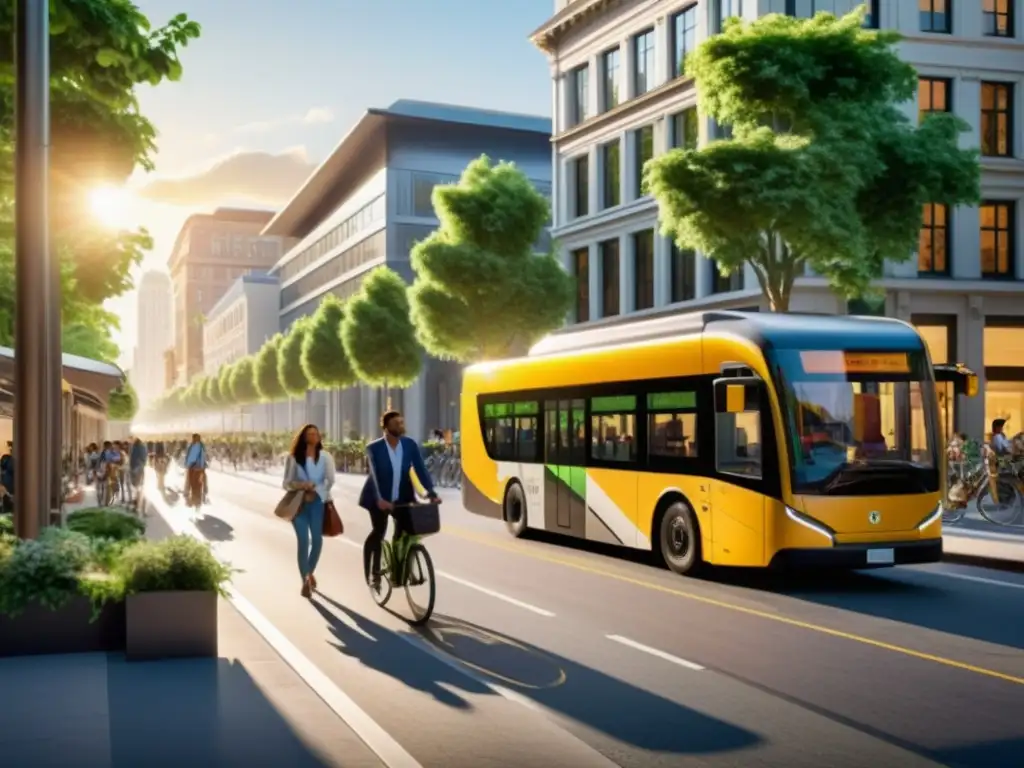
392 460
310 469
195 472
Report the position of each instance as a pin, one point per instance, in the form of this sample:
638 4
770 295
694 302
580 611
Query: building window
997 18
579 81
725 283
933 241
611 190
683 269
684 38
581 271
643 49
997 119
871 17
936 16
997 245
727 9
933 95
1004 371
581 179
610 277
644 148
610 78
685 129
643 262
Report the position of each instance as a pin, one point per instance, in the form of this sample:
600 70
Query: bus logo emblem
874 517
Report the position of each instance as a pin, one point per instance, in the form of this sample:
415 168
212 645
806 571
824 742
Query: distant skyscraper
155 334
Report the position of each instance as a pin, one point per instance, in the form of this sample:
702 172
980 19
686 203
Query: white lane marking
655 652
978 579
478 588
379 741
515 697
497 595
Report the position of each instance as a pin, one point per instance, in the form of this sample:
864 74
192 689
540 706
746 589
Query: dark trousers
378 530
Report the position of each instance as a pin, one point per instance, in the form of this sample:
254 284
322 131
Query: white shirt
396 467
1001 443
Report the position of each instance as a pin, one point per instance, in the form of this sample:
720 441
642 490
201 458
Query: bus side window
738 443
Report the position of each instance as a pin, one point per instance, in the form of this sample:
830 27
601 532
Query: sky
271 87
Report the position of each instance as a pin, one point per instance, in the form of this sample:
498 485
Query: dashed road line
655 652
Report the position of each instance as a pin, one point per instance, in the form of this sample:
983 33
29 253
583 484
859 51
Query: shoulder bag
289 505
332 520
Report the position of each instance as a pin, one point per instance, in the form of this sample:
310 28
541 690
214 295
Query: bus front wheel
679 539
515 510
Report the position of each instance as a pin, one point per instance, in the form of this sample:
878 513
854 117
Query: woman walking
309 469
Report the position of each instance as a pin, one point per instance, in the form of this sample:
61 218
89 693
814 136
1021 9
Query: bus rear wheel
679 539
515 510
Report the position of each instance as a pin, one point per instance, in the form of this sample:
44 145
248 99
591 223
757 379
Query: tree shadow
215 529
197 712
581 694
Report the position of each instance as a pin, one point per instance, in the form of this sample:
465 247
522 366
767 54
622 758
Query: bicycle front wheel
420 584
1004 511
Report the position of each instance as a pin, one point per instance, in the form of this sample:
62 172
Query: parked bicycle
994 483
405 562
445 467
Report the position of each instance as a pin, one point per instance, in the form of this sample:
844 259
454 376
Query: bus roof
767 329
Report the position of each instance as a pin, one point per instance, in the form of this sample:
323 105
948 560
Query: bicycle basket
420 519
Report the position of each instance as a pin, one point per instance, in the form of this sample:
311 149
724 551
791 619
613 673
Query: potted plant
171 589
57 595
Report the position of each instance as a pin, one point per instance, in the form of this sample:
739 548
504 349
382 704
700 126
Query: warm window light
109 205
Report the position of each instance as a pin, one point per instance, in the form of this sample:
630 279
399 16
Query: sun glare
109 205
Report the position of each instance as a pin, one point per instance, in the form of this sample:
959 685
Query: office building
619 99
155 334
213 250
366 206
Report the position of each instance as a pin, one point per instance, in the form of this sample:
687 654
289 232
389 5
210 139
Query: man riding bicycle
391 459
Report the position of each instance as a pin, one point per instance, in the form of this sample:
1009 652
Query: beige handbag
289 505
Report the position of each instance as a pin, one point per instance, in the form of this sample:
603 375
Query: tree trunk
386 396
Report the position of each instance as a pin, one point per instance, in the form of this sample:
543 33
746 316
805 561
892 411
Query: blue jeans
309 530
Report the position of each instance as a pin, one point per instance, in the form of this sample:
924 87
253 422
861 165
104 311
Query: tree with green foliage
122 403
211 390
100 52
243 382
823 170
480 290
268 384
378 334
195 394
323 356
289 359
224 376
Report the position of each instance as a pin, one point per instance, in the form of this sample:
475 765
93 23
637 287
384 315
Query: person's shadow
215 529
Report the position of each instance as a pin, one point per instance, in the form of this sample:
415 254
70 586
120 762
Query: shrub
52 570
178 563
107 524
6 525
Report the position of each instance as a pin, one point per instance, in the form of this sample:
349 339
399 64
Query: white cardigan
292 475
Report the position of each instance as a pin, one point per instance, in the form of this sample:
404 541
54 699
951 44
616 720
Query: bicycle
405 561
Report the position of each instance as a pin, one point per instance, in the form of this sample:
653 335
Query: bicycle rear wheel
1007 509
420 585
382 594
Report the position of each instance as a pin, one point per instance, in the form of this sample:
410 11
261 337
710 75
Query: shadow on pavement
201 712
989 754
215 529
584 695
381 650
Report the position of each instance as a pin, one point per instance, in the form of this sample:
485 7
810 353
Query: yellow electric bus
728 438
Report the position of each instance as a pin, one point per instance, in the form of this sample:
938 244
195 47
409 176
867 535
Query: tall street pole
32 266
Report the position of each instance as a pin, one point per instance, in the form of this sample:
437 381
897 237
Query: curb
982 561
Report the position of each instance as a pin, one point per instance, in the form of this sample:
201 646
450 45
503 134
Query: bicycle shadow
462 656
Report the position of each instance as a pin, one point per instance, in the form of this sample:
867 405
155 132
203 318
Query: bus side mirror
738 394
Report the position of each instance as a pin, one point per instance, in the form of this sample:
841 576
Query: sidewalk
989 549
247 707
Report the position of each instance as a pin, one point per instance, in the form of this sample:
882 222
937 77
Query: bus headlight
810 524
931 518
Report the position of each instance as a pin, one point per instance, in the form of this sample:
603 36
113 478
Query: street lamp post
32 465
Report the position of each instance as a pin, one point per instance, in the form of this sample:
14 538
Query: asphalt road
544 652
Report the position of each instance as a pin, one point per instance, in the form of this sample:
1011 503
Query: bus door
565 476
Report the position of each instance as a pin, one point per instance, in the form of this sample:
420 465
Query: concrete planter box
170 625
70 629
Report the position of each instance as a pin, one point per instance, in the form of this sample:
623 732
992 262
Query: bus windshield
859 423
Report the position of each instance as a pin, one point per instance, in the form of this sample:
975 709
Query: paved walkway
246 708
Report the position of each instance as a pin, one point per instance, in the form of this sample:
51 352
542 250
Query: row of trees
821 170
480 291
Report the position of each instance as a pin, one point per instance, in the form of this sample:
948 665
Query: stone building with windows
620 98
366 206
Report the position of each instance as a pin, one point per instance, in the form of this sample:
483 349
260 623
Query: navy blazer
380 472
